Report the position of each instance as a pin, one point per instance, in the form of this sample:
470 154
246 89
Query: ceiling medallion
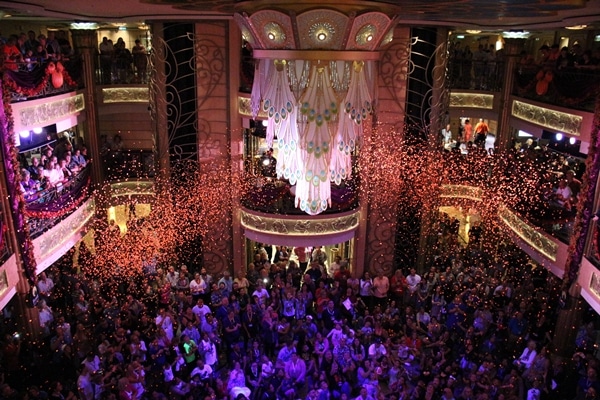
321 32
274 32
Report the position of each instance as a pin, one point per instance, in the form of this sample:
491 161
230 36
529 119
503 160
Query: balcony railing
132 69
128 164
476 75
570 87
47 208
523 184
43 79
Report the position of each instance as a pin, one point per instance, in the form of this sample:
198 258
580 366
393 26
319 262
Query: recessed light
369 38
321 36
576 27
271 36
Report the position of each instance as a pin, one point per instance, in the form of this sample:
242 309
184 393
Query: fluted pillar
85 42
512 49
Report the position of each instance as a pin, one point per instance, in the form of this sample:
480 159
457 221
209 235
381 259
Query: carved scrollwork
548 118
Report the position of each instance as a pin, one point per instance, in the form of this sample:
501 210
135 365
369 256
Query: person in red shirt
11 54
398 284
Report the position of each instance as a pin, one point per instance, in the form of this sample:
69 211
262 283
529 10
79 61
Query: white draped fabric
317 133
280 105
318 116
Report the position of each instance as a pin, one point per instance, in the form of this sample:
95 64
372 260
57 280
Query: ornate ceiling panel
321 29
273 29
366 29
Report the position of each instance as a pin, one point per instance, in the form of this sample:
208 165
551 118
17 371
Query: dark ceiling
480 14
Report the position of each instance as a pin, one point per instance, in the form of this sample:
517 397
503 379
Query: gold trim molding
472 100
245 110
64 234
528 233
125 95
293 226
43 113
136 188
462 191
548 118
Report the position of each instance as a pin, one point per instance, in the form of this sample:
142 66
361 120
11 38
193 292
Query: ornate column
236 145
215 107
377 231
158 100
85 43
512 49
440 101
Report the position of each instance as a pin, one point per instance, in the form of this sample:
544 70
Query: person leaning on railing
29 187
11 55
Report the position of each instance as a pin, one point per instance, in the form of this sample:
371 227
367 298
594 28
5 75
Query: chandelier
316 80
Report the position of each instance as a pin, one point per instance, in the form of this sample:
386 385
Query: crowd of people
295 325
118 64
50 169
25 51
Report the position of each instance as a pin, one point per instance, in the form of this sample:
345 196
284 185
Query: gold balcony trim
462 191
125 95
528 233
49 111
135 188
471 100
547 118
298 226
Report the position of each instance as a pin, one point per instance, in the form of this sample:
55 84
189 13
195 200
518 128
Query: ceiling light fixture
84 25
473 31
576 27
322 36
515 34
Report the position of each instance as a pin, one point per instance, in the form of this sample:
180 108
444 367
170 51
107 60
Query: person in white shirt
526 358
200 309
334 267
446 136
261 292
377 350
413 280
561 197
208 350
204 370
197 287
45 286
172 276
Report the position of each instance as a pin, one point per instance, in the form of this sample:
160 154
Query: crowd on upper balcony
558 58
51 168
118 64
481 69
25 51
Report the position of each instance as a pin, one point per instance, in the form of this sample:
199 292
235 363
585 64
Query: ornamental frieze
548 118
295 227
125 95
472 100
45 113
528 233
